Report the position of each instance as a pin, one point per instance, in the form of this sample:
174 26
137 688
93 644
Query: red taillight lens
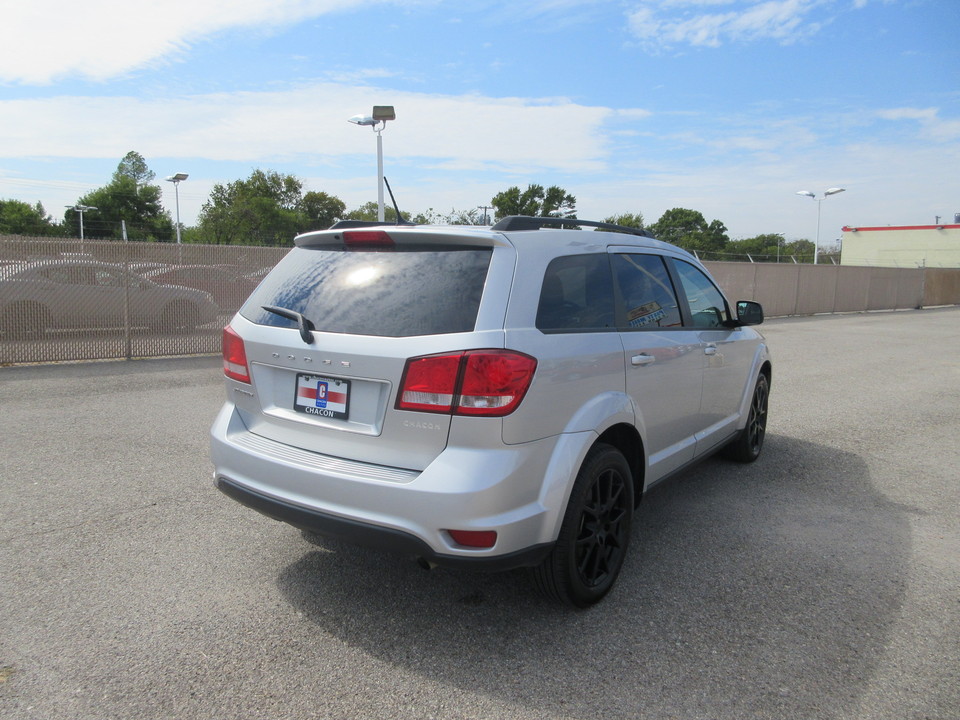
429 383
360 239
474 538
488 383
234 356
494 382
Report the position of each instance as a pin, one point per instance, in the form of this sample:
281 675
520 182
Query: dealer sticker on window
646 314
322 396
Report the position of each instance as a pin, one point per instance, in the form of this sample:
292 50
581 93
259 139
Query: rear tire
595 534
746 448
179 317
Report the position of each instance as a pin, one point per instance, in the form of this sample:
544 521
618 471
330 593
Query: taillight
488 383
234 356
429 383
360 239
494 382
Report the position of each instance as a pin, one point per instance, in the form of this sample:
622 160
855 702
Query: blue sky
728 107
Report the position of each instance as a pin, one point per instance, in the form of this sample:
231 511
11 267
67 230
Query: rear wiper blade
303 324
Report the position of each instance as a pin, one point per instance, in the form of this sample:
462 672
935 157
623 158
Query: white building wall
902 246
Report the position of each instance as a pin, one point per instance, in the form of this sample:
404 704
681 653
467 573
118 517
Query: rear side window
576 295
647 296
392 293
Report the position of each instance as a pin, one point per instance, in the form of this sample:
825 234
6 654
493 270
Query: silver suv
492 397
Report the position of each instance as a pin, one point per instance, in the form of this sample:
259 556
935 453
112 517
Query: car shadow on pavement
764 590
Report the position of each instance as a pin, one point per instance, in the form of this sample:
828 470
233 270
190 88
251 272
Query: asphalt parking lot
820 582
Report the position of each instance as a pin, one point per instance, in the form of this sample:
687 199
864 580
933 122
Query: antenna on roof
400 220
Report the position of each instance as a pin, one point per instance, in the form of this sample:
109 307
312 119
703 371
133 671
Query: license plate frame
322 396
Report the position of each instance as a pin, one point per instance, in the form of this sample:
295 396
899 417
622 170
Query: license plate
322 396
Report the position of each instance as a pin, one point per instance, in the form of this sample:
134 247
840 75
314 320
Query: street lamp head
833 191
806 193
366 120
382 113
177 178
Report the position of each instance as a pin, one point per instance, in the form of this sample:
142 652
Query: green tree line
270 208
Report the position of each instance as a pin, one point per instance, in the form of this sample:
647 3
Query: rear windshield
389 293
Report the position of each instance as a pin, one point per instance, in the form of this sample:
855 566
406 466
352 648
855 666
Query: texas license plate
323 396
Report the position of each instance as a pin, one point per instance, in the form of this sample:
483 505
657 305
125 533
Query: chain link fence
66 299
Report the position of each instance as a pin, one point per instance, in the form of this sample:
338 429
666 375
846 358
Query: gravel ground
820 582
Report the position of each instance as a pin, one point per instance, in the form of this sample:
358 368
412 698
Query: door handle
710 350
642 359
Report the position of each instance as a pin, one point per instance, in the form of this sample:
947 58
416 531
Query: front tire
746 448
595 534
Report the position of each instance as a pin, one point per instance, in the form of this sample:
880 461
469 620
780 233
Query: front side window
390 293
647 297
707 305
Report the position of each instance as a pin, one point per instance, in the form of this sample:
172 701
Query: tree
771 247
454 217
368 213
535 201
321 209
128 200
761 248
465 217
801 249
267 208
135 167
19 218
690 230
627 220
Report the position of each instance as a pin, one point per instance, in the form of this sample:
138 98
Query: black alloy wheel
746 448
595 533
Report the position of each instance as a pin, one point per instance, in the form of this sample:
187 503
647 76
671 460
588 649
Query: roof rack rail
527 222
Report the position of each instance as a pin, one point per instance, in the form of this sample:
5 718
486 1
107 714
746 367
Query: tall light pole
80 209
813 196
378 121
176 180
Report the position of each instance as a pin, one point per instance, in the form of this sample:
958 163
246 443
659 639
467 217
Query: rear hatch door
374 306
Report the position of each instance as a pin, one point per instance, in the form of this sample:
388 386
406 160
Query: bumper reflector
474 538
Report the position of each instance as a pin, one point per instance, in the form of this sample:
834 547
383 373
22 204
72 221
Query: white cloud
932 125
665 24
310 122
46 40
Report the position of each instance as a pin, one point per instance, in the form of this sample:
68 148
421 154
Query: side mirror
749 312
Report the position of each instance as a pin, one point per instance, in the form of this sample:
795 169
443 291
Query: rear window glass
390 293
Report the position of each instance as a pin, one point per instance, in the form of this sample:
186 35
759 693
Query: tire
179 317
25 321
595 534
748 444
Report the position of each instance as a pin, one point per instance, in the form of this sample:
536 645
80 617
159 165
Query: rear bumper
518 491
374 536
